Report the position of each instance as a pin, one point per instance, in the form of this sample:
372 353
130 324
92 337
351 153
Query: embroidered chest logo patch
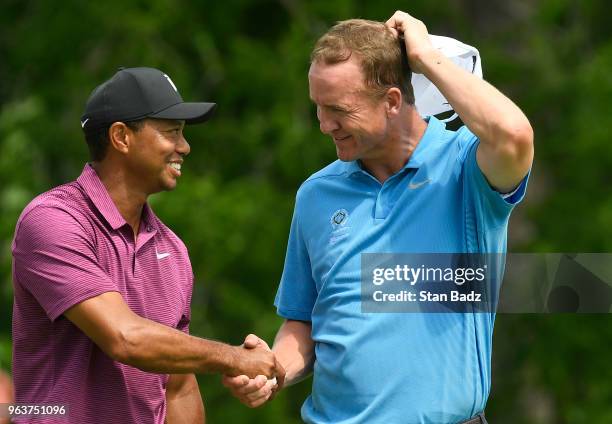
339 218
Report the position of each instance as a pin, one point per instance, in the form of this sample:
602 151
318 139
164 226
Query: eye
174 131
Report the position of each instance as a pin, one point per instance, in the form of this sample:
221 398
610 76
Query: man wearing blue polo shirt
401 184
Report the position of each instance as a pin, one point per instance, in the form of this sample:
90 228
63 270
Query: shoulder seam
312 178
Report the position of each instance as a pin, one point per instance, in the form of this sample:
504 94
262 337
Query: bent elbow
524 144
523 135
518 146
517 130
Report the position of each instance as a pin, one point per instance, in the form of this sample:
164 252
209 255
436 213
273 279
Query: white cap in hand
428 99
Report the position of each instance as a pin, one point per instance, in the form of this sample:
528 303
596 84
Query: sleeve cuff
293 314
66 304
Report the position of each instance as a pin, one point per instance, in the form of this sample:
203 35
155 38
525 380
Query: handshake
258 375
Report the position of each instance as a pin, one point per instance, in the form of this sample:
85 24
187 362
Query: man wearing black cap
103 287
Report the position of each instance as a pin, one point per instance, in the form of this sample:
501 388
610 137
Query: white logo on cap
171 83
84 122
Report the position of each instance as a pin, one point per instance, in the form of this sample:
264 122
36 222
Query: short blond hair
383 59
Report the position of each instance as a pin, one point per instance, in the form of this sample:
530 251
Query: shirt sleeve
183 324
490 204
487 211
297 292
55 260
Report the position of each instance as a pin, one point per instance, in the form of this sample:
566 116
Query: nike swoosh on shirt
413 186
161 255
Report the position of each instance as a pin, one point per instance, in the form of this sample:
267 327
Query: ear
393 100
120 136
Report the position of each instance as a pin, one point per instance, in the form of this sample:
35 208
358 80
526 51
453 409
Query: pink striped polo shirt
71 243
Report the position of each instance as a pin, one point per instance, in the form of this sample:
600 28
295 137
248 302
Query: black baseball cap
138 93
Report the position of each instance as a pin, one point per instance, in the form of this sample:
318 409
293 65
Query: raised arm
505 152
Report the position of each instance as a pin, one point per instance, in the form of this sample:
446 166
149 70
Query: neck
128 200
402 140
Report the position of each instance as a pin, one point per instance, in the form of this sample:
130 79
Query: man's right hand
255 358
254 392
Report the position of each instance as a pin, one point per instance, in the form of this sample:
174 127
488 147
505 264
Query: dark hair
97 139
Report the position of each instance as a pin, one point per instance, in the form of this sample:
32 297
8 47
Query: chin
346 156
167 185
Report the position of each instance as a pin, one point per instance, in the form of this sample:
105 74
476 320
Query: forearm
145 344
294 348
184 401
488 113
153 347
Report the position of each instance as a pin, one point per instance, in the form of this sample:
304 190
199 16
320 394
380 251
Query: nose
327 123
182 147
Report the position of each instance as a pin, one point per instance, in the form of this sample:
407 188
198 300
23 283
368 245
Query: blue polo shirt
393 367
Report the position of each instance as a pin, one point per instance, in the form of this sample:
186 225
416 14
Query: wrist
423 58
222 358
231 360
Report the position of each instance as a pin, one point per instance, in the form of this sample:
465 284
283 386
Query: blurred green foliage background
234 202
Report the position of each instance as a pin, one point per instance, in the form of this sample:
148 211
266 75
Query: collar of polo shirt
420 154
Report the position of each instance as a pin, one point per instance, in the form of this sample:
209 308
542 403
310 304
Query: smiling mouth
176 166
336 139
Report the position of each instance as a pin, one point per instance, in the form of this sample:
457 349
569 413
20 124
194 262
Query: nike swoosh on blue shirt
413 186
